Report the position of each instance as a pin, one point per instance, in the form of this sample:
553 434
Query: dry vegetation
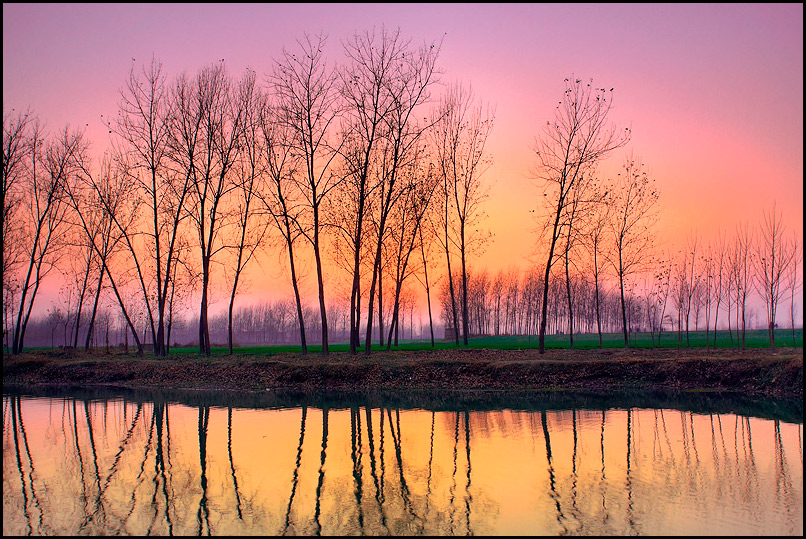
751 372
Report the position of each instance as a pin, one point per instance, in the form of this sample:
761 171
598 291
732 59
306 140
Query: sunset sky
713 93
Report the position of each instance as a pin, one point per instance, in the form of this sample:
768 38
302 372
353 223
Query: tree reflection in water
114 466
295 478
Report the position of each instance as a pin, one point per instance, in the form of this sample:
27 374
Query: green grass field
753 339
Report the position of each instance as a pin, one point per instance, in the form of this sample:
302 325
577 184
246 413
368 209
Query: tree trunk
319 280
81 301
94 308
465 321
716 318
229 314
380 309
730 331
297 298
428 290
568 296
453 301
376 270
126 316
204 330
544 308
598 313
19 329
355 295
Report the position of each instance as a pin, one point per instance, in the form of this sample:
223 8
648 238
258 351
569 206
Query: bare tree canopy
773 257
578 138
308 95
461 135
633 201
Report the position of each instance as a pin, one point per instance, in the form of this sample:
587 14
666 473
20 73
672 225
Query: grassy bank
753 371
667 340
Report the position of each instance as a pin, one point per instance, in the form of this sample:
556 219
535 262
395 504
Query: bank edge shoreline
756 372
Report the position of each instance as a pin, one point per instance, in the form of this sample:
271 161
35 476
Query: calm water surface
193 463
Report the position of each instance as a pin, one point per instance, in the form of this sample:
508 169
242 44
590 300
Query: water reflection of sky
74 466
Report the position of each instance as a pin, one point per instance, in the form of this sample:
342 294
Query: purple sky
713 92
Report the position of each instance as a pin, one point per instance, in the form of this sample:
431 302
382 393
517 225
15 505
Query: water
429 463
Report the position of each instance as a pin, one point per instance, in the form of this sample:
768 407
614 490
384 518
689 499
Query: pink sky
713 93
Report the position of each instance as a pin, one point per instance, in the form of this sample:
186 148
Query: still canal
194 463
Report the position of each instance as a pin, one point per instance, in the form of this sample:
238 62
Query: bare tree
439 222
634 198
795 281
143 131
106 206
365 89
532 290
182 285
400 81
425 242
251 226
773 257
349 211
719 254
657 298
699 299
581 203
420 182
207 142
87 224
511 285
571 146
461 138
53 163
705 299
496 291
307 94
665 289
594 238
80 264
680 291
21 134
694 283
277 196
741 264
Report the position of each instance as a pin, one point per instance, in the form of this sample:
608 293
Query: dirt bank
752 372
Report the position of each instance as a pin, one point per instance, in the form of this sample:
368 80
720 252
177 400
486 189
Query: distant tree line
372 165
696 289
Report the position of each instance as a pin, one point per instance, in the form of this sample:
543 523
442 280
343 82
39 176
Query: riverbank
757 372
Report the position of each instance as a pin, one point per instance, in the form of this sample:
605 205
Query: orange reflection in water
115 467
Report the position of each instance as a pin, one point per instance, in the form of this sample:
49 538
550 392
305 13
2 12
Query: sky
713 93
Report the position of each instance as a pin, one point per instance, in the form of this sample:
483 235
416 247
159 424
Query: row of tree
504 303
355 158
266 322
358 165
701 288
605 227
